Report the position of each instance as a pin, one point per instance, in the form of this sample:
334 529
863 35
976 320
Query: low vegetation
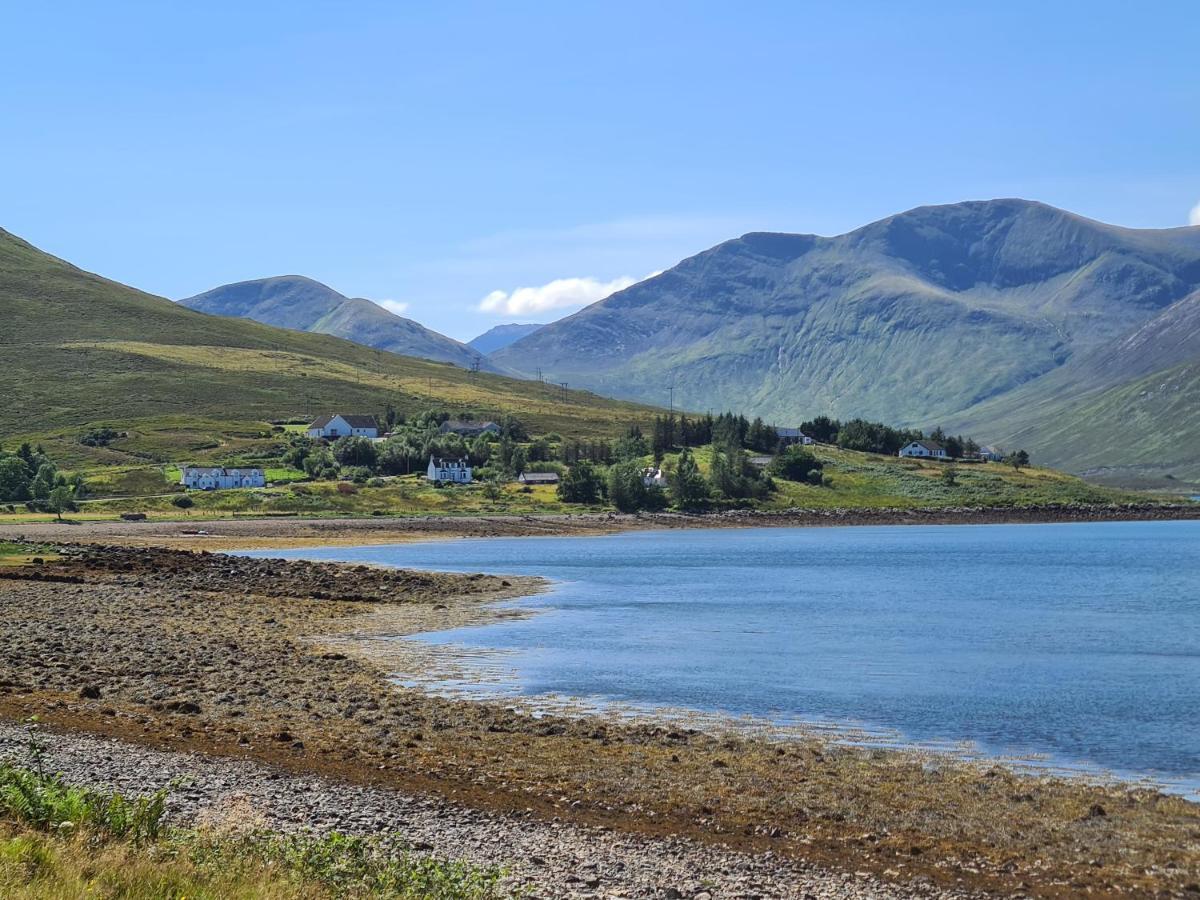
60 840
688 464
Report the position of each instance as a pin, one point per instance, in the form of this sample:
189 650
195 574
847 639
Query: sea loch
1080 642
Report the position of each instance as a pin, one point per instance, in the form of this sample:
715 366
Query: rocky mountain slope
922 318
302 304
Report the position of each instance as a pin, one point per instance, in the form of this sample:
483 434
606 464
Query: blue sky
443 156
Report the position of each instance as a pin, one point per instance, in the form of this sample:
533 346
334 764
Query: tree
797 464
626 489
59 500
14 479
355 451
950 475
822 429
1017 459
581 484
492 489
688 487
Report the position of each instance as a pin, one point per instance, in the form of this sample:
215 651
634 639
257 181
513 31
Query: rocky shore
250 533
239 665
541 859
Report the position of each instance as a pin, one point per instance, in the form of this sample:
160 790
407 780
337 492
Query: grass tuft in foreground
59 840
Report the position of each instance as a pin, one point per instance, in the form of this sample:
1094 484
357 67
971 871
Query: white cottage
334 426
454 471
654 477
991 454
924 450
201 478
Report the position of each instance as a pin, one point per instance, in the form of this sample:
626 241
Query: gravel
543 859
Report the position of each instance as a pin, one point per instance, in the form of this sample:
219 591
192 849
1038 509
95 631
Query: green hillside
80 350
292 301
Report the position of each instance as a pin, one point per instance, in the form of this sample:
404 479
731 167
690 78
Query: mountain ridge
305 304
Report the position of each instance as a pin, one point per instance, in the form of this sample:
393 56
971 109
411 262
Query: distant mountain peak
500 336
305 304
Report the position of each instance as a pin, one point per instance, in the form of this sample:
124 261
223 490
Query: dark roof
445 462
352 421
929 445
546 477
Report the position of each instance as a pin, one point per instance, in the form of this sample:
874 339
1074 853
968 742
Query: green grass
81 352
61 840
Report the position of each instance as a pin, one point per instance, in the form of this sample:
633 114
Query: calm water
1079 641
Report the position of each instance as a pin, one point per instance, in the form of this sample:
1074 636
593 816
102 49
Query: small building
654 477
218 478
339 425
924 450
990 454
453 471
538 478
789 436
468 429
761 462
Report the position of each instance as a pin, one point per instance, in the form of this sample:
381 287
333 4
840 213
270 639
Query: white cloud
399 307
562 293
1194 216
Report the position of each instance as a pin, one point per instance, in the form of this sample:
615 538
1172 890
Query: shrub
345 487
797 464
183 501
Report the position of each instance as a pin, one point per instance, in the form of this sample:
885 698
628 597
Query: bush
345 487
183 501
797 464
582 484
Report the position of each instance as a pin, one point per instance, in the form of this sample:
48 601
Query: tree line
29 476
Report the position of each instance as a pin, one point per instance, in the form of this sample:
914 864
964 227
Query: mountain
302 304
1139 391
501 336
79 350
921 318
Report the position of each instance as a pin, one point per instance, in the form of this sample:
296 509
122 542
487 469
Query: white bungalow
334 426
924 450
654 477
199 478
792 436
991 454
455 471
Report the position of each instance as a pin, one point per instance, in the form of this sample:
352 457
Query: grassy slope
81 350
860 480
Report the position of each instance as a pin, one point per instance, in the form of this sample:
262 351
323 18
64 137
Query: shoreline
213 654
298 533
388 638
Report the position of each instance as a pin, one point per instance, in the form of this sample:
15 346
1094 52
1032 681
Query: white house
335 426
792 436
538 478
468 429
200 478
924 449
991 454
457 471
654 477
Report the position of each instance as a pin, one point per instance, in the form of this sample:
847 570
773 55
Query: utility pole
563 385
672 390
